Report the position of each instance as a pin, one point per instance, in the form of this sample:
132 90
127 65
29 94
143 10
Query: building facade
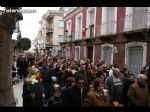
50 33
118 35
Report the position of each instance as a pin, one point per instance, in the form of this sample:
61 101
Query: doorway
90 53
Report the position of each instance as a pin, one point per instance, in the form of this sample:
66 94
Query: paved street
18 93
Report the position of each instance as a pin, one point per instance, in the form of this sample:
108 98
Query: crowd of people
59 81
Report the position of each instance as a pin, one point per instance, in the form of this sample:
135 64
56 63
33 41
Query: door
77 53
135 59
90 53
91 31
107 55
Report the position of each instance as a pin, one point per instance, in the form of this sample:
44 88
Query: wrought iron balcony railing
49 29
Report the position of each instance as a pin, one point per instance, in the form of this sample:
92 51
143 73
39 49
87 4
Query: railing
49 29
108 27
136 21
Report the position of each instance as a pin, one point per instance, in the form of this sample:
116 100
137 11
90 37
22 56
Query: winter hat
54 79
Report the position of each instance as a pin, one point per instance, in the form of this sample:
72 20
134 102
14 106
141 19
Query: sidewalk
18 89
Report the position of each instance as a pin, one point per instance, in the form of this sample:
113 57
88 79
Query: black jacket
72 96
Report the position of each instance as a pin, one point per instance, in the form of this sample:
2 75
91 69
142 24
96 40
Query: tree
23 44
7 26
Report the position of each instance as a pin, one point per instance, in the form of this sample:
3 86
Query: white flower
34 81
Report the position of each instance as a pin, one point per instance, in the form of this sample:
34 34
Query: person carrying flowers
46 80
32 95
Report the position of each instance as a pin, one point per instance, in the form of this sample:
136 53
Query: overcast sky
29 26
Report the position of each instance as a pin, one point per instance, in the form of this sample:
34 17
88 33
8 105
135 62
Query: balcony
49 29
108 27
137 21
49 45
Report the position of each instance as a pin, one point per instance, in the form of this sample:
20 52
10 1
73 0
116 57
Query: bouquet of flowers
33 81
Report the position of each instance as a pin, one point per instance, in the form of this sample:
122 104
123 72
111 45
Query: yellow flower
33 76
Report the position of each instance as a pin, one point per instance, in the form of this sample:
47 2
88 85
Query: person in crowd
54 81
138 92
83 71
56 99
99 97
104 70
46 80
125 73
126 85
22 65
70 81
14 73
34 69
75 95
114 84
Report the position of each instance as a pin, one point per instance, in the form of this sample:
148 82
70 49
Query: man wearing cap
75 95
138 92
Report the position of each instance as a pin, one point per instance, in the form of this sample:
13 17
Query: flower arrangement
33 81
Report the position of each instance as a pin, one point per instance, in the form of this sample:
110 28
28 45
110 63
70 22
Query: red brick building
118 35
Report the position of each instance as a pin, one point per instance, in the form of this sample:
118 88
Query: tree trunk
7 26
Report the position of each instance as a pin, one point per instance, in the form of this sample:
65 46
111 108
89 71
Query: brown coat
137 95
92 100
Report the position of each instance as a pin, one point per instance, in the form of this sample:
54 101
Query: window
67 52
110 19
79 26
91 16
77 53
60 24
109 16
139 17
60 38
106 54
135 59
135 56
69 27
59 53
